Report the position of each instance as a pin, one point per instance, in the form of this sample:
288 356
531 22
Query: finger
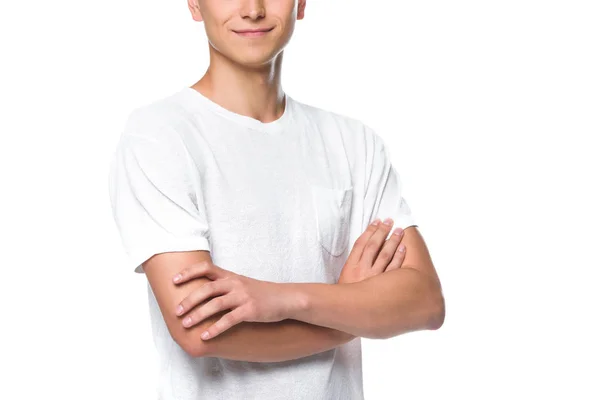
203 268
204 292
388 251
204 311
227 321
373 247
361 242
398 259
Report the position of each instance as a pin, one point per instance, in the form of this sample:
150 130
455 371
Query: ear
195 10
301 7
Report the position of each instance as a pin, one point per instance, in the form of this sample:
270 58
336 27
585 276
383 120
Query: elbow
431 317
438 315
436 306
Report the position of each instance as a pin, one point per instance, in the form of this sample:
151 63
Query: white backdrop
490 111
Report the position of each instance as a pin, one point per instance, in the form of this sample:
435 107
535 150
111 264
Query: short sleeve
155 193
383 189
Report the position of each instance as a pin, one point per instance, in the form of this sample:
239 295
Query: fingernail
204 335
398 231
376 222
387 221
187 321
179 309
401 248
177 278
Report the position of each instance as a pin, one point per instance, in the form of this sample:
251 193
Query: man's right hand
372 254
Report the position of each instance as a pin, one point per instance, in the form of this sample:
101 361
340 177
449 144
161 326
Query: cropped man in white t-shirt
250 214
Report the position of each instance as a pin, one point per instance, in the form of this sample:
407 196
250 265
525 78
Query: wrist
297 300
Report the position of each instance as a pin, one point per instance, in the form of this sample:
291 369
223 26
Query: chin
254 60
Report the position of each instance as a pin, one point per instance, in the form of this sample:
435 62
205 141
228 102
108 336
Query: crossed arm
325 315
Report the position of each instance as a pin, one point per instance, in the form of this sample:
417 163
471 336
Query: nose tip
256 13
255 9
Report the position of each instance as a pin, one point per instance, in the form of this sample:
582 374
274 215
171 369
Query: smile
253 33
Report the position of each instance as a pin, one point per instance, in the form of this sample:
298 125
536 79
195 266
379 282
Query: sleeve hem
403 221
140 255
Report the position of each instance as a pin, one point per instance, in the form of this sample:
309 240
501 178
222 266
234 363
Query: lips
253 30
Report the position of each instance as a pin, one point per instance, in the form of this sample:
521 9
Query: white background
490 110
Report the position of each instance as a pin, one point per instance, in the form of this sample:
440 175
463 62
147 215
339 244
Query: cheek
219 37
285 35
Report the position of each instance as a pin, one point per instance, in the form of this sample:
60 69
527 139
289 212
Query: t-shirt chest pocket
332 208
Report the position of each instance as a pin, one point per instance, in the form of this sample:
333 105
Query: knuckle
361 242
244 298
229 318
199 266
207 290
209 286
241 286
204 265
196 315
193 318
372 246
217 302
386 254
236 281
393 260
233 283
251 309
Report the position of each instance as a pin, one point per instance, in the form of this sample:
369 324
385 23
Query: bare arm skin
386 305
247 341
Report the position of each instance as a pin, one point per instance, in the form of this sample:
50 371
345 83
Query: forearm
379 307
269 342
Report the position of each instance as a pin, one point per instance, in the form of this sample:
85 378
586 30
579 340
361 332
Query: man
239 204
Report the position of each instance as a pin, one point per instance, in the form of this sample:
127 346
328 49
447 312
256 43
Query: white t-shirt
281 201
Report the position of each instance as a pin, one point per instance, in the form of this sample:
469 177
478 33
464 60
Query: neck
253 92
